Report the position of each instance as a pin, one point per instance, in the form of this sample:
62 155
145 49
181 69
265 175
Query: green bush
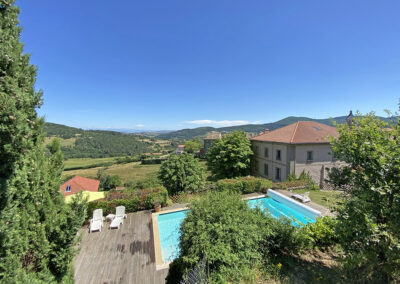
289 184
322 232
311 185
131 205
99 204
286 238
133 200
148 182
243 185
233 239
231 185
156 195
182 173
215 230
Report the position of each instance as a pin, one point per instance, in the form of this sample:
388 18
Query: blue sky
181 64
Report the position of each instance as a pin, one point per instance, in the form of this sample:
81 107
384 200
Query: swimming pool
168 227
276 204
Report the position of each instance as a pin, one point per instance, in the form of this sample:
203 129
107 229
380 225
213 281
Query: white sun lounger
302 197
119 217
96 223
116 223
120 213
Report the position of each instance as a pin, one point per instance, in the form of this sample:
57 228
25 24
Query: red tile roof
299 132
78 184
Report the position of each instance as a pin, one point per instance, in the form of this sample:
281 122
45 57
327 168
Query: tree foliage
37 229
108 182
369 226
215 230
182 173
192 146
230 156
233 240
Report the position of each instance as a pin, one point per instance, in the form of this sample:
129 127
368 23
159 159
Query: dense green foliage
369 227
37 229
233 240
192 146
230 156
214 230
243 185
62 131
150 181
108 182
322 232
100 143
133 200
182 173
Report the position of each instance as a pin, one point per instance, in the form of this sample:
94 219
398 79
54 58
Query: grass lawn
81 162
128 172
326 198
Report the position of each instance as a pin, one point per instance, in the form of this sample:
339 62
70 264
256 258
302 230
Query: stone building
300 146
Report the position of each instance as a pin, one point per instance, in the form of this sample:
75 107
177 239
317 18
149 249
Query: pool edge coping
317 212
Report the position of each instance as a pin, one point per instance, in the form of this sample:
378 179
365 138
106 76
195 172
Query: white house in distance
300 146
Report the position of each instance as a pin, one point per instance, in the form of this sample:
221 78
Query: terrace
128 255
119 256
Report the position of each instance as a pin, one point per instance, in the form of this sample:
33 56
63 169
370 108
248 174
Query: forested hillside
251 128
99 143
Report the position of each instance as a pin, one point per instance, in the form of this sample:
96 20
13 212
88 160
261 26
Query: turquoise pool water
278 209
169 223
168 228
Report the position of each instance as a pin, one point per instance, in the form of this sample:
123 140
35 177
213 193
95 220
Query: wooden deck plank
124 255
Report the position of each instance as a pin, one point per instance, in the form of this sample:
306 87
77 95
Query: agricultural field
128 172
86 162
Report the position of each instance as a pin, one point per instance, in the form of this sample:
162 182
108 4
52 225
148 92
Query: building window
68 188
266 169
310 156
278 174
255 149
278 155
266 152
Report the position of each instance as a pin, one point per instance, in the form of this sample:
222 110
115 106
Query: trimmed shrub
133 200
243 185
289 184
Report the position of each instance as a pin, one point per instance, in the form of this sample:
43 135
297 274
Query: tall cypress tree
37 229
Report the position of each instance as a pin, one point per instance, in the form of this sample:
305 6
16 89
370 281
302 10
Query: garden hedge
243 185
133 200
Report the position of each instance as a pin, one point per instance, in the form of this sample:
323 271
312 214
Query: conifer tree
37 229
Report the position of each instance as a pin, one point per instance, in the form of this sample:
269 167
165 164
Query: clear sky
177 63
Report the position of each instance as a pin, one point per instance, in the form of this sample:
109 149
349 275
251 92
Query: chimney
349 119
266 130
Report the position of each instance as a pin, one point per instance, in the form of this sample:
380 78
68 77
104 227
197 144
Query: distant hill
251 128
79 143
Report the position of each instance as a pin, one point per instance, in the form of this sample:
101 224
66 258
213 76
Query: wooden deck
124 255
